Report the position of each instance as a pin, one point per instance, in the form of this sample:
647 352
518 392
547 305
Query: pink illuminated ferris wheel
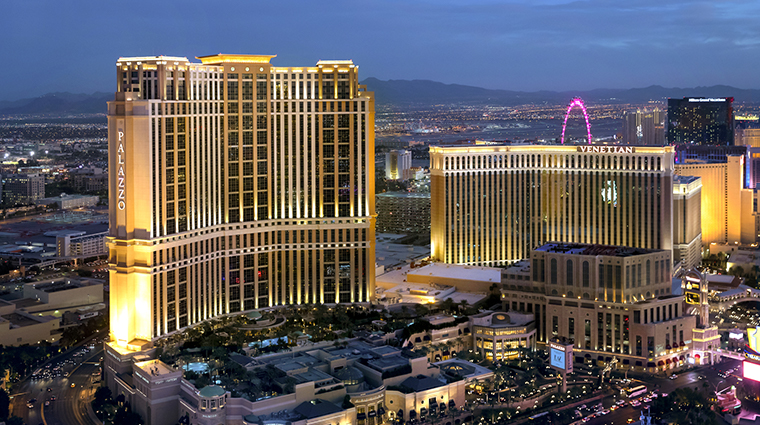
576 102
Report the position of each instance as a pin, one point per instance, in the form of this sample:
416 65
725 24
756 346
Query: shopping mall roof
593 249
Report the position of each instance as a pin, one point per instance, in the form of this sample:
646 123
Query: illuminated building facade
236 185
23 188
701 121
490 205
644 127
610 300
397 165
687 220
727 207
403 212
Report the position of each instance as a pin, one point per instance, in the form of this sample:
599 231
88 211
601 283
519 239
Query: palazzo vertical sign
120 174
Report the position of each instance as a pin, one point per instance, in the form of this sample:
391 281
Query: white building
398 164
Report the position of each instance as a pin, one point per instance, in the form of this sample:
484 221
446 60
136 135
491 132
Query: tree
737 271
125 416
14 420
5 402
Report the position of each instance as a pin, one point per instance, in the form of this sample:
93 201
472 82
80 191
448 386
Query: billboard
692 285
751 371
557 358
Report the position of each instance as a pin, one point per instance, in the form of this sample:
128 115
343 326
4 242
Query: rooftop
155 367
227 58
593 249
421 383
316 408
212 391
684 179
452 271
403 195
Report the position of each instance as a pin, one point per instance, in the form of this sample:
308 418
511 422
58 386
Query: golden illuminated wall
726 209
237 185
687 221
748 137
492 205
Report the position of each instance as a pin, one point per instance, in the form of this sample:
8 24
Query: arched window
569 271
586 296
553 271
648 274
570 294
554 292
585 274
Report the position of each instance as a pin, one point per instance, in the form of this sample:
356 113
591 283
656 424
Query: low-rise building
67 202
503 336
81 246
357 384
19 327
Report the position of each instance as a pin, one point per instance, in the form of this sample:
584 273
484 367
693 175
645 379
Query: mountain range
411 93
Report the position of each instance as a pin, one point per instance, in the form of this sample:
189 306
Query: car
647 399
673 376
73 385
630 420
620 402
614 407
47 402
49 389
52 398
635 403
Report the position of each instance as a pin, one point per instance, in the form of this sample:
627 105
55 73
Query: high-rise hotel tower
491 205
236 185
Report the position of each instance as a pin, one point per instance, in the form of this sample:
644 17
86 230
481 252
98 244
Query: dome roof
500 319
350 375
212 391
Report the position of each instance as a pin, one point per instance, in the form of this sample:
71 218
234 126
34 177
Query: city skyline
582 45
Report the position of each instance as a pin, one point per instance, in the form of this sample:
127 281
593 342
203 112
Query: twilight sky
508 44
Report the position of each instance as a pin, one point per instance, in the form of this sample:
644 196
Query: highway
69 406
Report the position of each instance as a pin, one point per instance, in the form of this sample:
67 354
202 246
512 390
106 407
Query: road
687 379
69 407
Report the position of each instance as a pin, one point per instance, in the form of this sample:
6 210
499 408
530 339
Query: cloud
513 44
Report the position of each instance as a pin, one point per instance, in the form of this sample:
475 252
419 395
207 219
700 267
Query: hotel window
569 271
553 270
648 275
585 274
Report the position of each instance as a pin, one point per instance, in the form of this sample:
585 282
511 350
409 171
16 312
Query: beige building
382 383
727 207
490 205
503 336
236 185
687 220
67 202
18 326
398 164
612 301
81 246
